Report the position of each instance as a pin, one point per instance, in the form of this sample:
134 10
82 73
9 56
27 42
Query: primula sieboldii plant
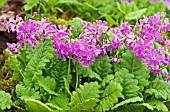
97 39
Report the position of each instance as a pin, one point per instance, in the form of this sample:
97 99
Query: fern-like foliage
137 107
59 102
48 84
110 96
85 105
159 89
158 105
125 102
26 92
136 67
128 83
5 100
36 106
88 72
15 65
102 66
40 56
58 69
107 79
85 97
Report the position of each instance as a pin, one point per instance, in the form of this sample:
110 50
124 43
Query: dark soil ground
10 9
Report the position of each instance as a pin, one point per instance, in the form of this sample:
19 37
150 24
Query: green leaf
30 4
158 105
77 23
110 21
159 7
68 2
49 84
2 2
57 69
15 65
26 92
39 58
134 107
107 79
87 72
67 87
110 96
87 94
136 14
130 100
5 100
136 67
85 105
89 7
102 66
154 8
126 7
131 108
159 89
36 106
107 9
148 106
128 83
59 102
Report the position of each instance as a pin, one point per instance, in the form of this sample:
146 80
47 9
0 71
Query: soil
9 9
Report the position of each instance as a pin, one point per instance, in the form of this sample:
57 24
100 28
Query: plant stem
68 67
17 107
76 75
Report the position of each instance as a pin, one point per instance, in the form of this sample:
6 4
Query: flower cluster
151 46
89 44
146 41
97 39
27 32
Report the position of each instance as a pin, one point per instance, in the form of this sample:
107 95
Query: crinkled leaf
128 83
126 7
88 72
36 106
67 86
110 96
16 66
77 23
86 94
131 108
58 69
125 102
85 105
48 83
102 66
30 4
40 56
5 100
154 8
59 102
160 106
136 67
26 92
136 14
107 79
159 89
107 9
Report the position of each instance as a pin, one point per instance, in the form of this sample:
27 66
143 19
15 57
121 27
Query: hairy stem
68 68
76 75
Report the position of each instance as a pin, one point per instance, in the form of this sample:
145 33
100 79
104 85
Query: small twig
17 106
